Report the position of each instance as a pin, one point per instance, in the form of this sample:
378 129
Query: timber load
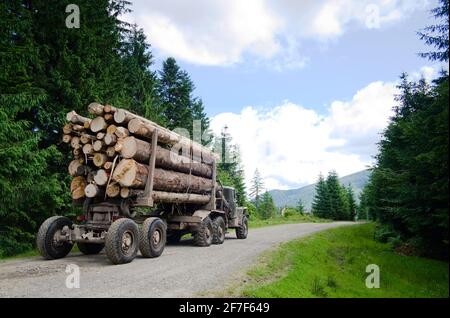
114 155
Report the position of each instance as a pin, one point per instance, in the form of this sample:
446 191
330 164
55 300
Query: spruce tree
321 204
256 188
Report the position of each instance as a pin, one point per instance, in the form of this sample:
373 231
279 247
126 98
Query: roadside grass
333 264
297 218
32 253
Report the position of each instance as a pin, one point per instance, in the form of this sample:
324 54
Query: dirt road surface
183 270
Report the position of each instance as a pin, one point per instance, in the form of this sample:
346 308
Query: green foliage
266 208
408 190
46 70
256 188
332 200
437 35
300 207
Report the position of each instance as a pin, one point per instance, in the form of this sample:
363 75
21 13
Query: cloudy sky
304 86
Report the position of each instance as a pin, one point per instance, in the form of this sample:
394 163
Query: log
75 142
85 138
144 128
98 124
77 152
110 139
140 150
113 190
95 109
121 132
66 138
110 151
99 159
130 173
122 116
74 118
87 125
78 128
108 117
67 129
100 135
92 190
88 149
101 177
167 197
111 129
109 109
108 165
73 166
98 145
119 144
83 170
77 186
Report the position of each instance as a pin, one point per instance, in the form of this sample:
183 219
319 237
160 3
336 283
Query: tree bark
74 118
141 150
145 128
130 173
77 186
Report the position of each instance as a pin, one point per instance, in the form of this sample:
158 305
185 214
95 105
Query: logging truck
137 193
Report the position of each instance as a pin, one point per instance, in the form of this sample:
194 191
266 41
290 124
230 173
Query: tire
122 241
219 230
242 230
152 237
45 243
204 235
90 248
174 238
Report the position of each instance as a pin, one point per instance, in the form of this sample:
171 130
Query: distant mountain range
289 198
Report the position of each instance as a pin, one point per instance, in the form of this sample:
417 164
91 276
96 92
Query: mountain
290 198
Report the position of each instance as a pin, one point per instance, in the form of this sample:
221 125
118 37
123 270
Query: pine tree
300 207
266 208
352 206
321 204
256 188
437 35
336 197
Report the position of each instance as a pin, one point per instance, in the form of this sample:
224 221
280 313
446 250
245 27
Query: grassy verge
285 220
333 264
32 253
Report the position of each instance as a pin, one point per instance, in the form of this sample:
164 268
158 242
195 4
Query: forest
48 69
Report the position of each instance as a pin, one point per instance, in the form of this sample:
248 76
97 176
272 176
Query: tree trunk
77 187
101 177
92 190
95 109
113 190
73 166
130 173
122 132
99 159
145 129
74 118
98 124
141 150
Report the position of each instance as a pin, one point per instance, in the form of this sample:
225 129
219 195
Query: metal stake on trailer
146 200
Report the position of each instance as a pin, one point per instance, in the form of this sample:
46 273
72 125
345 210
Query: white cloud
209 32
222 32
291 144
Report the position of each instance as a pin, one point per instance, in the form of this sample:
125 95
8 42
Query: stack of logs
111 154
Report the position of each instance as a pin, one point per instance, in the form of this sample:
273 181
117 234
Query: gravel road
182 270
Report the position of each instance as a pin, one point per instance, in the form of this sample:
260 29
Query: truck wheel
122 241
242 230
152 237
46 242
204 235
219 230
90 248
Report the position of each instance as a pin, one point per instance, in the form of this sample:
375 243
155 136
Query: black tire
219 230
152 237
174 238
242 230
122 241
204 234
90 248
45 243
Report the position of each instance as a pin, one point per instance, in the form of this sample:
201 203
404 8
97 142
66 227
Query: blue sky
321 72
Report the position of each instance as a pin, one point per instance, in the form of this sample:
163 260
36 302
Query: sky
304 86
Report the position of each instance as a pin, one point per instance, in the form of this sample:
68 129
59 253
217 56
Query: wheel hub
156 238
127 241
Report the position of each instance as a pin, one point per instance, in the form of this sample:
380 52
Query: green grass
333 264
32 253
298 218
